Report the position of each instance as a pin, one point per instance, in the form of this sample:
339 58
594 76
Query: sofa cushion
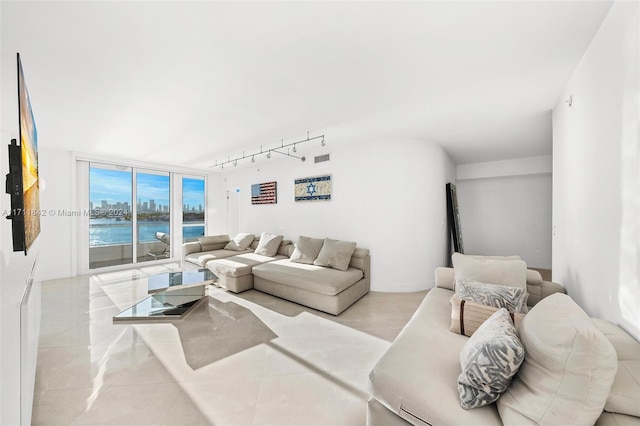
335 254
239 265
489 360
268 244
616 419
508 257
307 250
416 377
286 248
314 278
624 396
514 299
534 277
240 242
490 270
213 242
568 369
202 257
467 316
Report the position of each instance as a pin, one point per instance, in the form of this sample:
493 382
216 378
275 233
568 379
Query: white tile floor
246 359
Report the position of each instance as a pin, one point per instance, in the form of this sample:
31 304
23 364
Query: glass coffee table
167 280
173 294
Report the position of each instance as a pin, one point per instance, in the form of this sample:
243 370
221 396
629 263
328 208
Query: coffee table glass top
173 294
170 304
171 279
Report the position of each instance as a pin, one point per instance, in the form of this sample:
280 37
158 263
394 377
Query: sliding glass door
131 213
153 215
110 223
193 202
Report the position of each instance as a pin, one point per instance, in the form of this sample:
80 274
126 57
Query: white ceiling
188 83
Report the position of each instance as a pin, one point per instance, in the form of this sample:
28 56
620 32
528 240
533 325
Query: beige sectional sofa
416 380
197 254
233 263
323 288
330 285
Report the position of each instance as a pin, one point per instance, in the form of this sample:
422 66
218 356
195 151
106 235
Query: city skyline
115 188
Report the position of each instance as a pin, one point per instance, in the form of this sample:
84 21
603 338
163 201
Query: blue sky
115 186
111 185
193 192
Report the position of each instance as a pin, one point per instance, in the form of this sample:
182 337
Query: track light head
291 151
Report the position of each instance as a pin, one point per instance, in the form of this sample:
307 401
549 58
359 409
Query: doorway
234 216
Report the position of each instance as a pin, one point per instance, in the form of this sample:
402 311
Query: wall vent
321 158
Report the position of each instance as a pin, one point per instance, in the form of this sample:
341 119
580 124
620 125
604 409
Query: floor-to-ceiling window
153 214
131 208
110 224
193 205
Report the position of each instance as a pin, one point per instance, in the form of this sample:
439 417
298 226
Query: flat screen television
22 182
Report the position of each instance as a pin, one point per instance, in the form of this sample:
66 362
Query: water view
110 231
111 204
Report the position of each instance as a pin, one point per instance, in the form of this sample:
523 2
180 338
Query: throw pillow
489 270
213 242
467 316
335 254
568 371
307 250
240 242
268 245
514 299
489 359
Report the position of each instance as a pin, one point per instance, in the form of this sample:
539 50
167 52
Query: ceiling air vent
321 158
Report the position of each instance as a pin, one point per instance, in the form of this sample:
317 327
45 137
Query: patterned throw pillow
489 359
467 316
514 299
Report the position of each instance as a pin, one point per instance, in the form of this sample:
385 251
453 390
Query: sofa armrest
548 288
445 277
192 247
538 289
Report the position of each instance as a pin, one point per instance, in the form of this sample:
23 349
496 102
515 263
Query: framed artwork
453 217
264 193
316 188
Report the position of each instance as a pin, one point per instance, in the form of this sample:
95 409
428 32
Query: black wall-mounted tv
22 181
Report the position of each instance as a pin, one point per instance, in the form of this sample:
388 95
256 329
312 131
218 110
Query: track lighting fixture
277 149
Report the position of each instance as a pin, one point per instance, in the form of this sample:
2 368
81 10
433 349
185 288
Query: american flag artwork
264 193
317 188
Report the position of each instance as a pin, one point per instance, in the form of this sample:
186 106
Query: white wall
15 268
505 208
596 188
56 201
388 196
